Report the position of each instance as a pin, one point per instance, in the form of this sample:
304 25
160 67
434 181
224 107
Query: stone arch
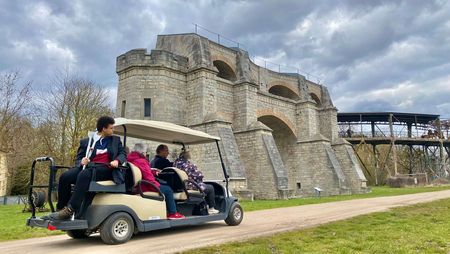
225 70
284 136
264 114
283 91
315 98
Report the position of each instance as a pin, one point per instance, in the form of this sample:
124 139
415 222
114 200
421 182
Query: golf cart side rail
51 182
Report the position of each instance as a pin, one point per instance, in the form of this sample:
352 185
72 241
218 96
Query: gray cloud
372 55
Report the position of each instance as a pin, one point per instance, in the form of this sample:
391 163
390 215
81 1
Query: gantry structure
379 137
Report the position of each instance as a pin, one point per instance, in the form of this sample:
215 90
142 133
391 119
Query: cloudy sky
372 55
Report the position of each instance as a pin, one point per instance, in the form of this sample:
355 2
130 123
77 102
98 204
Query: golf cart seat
177 179
135 182
107 186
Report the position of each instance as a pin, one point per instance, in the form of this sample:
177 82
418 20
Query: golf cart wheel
117 228
78 234
235 215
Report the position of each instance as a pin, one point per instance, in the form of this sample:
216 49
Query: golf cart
116 211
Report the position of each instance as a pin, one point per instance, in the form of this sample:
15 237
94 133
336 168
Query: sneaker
211 210
64 214
175 216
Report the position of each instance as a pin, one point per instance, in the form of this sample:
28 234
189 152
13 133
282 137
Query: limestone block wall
245 105
327 123
144 76
259 171
201 99
207 157
351 167
307 121
273 146
315 169
279 169
191 46
225 102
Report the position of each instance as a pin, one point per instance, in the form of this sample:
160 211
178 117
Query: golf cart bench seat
181 196
106 183
137 182
110 186
177 179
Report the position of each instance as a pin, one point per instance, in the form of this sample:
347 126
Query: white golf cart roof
161 132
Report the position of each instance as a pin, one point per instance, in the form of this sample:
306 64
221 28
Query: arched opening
284 137
315 98
225 71
283 92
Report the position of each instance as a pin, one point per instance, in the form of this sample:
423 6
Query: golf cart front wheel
78 234
117 228
235 215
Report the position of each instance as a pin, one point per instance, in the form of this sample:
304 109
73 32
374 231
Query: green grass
12 220
376 192
12 224
422 228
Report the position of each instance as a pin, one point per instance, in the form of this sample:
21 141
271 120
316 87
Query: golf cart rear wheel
78 234
117 228
235 215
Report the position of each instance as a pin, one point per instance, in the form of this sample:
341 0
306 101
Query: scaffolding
379 137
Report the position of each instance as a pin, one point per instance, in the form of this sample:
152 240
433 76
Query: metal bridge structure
394 144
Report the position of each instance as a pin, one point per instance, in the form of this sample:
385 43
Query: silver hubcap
237 213
120 228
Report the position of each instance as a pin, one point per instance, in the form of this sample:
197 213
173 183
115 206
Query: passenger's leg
210 195
170 201
82 185
64 186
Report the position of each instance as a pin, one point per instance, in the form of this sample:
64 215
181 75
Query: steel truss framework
427 149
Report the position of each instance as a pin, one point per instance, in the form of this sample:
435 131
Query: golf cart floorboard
189 220
59 225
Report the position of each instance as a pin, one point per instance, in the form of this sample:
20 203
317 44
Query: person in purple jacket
183 162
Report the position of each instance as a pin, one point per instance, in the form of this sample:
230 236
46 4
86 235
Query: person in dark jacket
137 158
70 177
160 161
107 154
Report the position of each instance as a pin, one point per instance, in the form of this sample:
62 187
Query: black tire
78 234
117 228
38 198
236 215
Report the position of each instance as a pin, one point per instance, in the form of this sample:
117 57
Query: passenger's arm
155 172
81 152
121 154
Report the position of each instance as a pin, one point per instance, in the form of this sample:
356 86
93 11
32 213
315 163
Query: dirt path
255 224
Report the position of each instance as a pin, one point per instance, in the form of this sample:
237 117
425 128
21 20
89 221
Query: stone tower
278 130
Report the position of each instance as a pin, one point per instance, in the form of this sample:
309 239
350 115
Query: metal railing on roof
260 61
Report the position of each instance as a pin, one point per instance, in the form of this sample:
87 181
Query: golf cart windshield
161 132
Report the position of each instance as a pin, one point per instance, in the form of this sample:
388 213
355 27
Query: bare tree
14 102
15 128
71 107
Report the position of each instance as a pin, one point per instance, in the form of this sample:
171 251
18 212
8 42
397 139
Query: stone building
3 174
278 130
